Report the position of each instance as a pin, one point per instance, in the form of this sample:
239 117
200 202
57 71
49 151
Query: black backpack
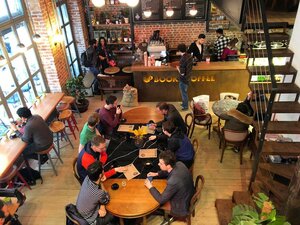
86 59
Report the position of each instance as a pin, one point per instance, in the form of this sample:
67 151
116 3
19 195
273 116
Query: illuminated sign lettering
173 79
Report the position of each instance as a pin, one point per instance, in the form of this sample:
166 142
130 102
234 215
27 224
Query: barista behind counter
160 83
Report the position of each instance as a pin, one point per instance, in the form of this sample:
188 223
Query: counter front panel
161 84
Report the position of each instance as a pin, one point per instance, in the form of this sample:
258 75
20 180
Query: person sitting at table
92 151
237 119
170 113
92 197
180 185
36 132
89 130
110 116
177 142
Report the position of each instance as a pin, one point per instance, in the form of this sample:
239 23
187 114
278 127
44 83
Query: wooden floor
45 202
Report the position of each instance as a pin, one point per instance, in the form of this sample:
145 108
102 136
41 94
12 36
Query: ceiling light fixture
35 37
123 1
193 11
169 12
98 3
21 48
2 60
147 13
132 3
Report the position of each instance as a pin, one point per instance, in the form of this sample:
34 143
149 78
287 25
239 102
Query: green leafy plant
76 88
247 215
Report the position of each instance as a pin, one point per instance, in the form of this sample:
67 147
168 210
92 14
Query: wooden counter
161 83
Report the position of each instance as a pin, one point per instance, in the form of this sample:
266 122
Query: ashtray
13 135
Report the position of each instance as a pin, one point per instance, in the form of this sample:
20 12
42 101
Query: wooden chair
75 172
67 116
73 215
47 152
195 144
236 138
229 95
197 121
193 203
72 101
58 129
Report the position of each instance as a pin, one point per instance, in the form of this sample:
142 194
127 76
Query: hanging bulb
132 3
21 48
193 11
98 3
37 38
147 13
169 12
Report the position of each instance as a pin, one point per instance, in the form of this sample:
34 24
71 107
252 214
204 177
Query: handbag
112 63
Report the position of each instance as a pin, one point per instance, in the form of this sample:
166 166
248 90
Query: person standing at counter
221 42
197 47
184 69
93 62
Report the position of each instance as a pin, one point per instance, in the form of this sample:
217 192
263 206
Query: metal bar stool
58 128
72 101
10 175
67 116
47 152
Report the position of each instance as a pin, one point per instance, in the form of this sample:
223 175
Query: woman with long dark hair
104 54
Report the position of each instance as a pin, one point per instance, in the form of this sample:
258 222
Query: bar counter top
201 66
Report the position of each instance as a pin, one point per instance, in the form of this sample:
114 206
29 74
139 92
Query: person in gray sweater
35 133
180 186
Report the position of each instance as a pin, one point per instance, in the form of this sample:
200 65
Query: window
71 49
21 79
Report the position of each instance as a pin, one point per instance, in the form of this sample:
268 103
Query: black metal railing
256 30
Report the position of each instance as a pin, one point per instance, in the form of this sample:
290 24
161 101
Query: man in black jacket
197 47
170 113
185 68
180 187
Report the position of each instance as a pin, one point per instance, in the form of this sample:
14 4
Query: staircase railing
256 29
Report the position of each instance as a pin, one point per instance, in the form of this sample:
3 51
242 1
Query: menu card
131 172
149 131
148 153
125 128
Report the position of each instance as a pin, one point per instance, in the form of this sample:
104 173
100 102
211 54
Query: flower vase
139 142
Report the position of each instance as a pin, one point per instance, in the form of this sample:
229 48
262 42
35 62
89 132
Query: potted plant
266 215
76 89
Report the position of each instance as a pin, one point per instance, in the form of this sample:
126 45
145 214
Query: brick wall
180 32
80 30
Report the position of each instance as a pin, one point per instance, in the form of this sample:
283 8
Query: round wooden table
127 69
142 115
112 70
133 200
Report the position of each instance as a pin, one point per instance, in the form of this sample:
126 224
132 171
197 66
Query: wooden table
134 200
223 106
10 150
142 115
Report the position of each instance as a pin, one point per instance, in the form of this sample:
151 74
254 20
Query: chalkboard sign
181 10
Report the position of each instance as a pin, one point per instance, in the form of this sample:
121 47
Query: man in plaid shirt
221 42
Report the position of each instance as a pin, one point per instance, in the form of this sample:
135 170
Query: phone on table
150 178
